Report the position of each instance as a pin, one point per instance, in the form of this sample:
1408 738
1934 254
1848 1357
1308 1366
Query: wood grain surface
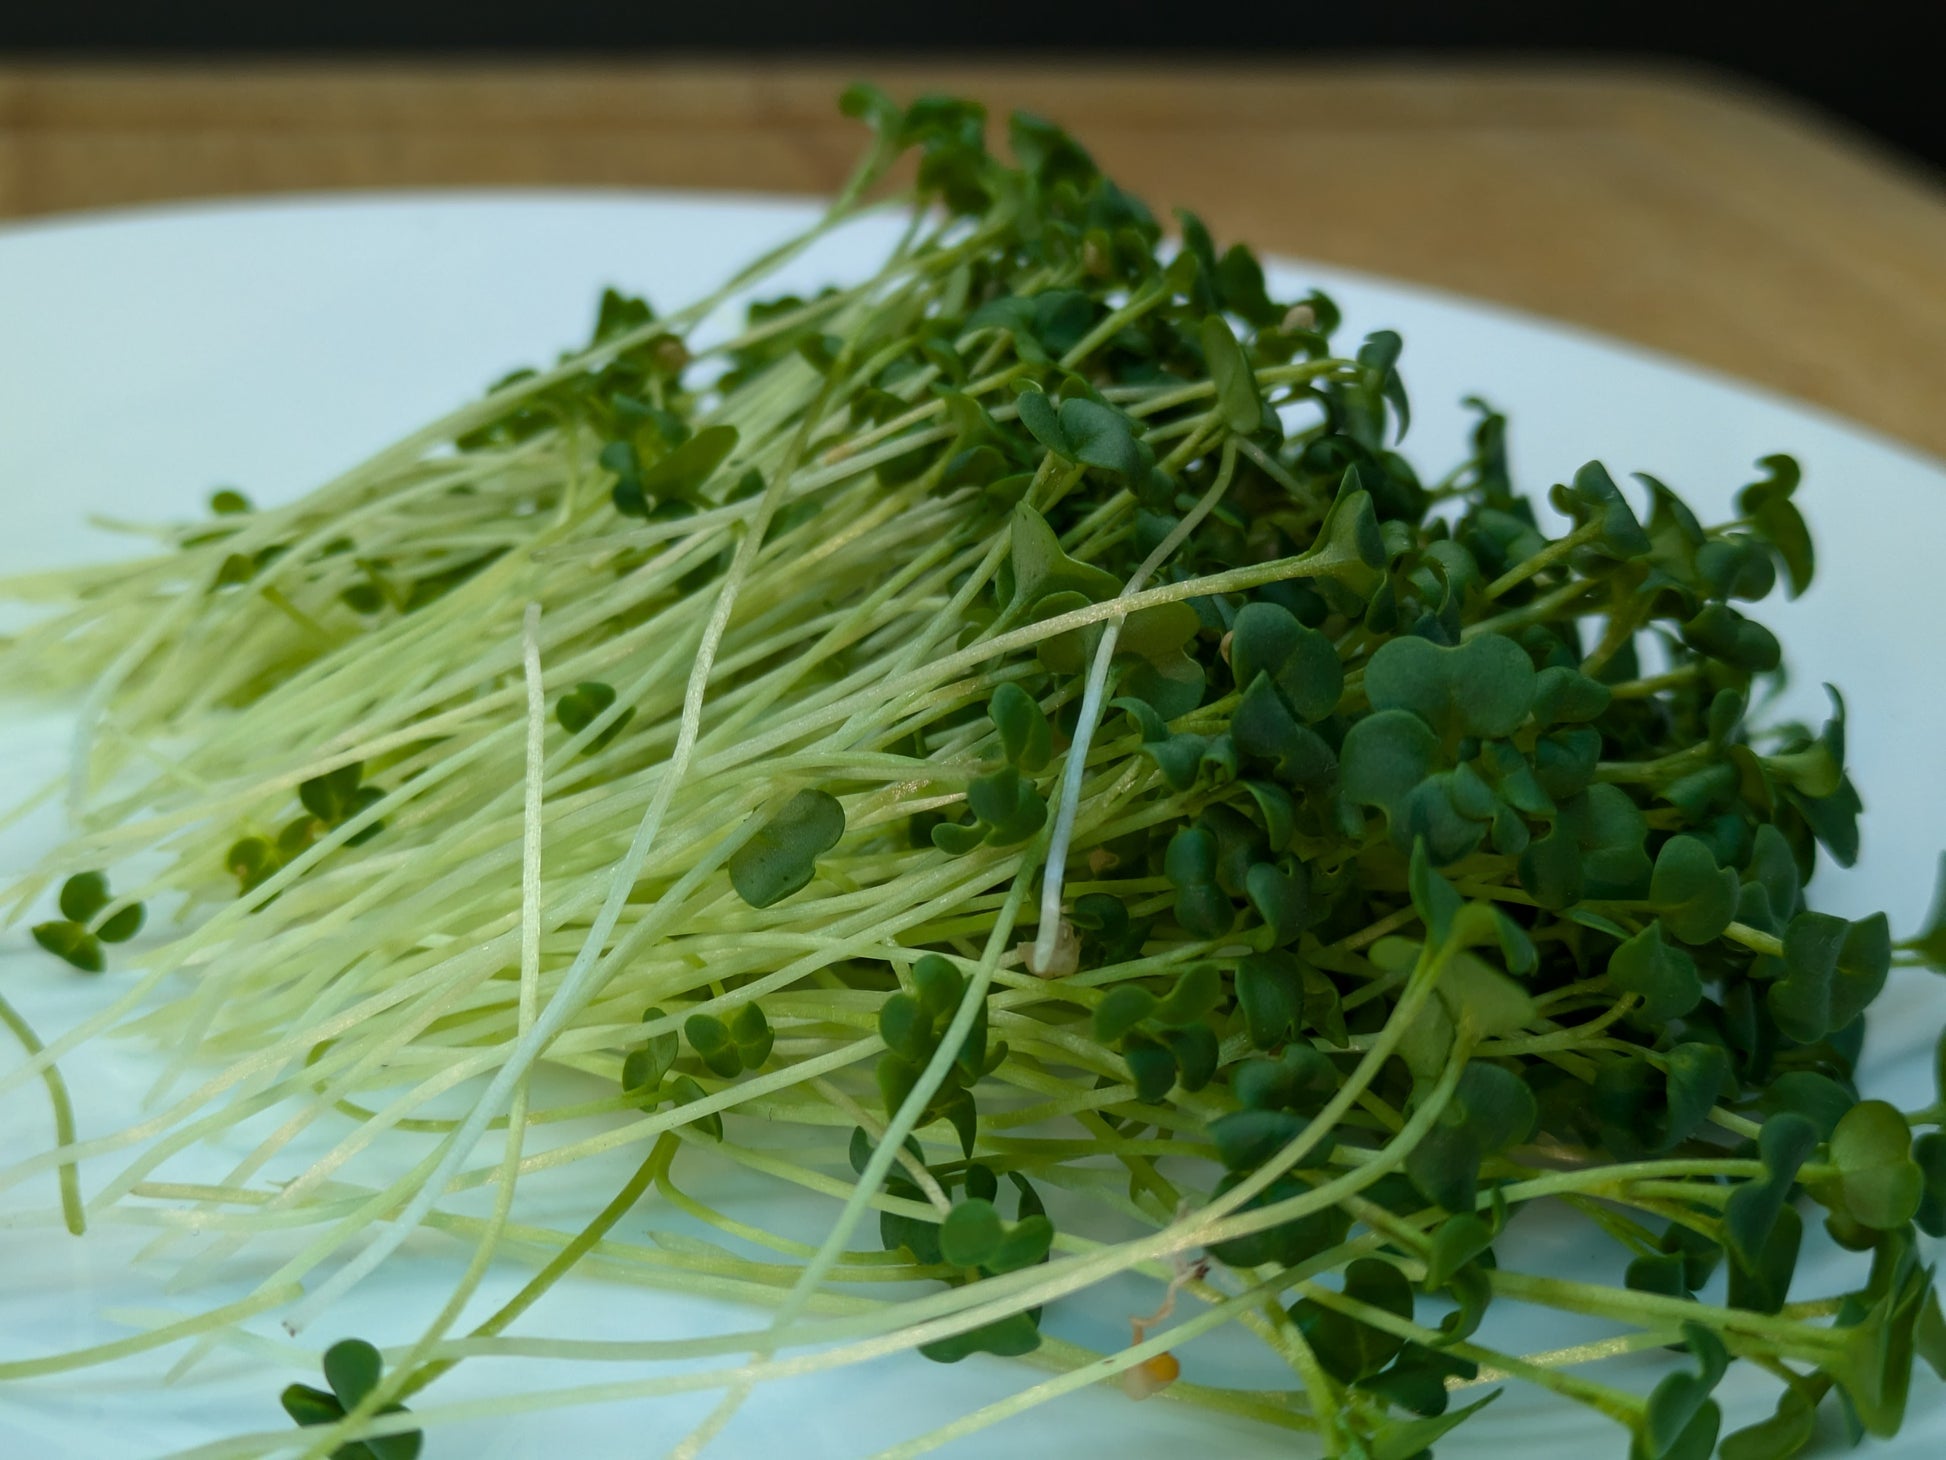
1671 209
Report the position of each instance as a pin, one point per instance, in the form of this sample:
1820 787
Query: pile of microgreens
1018 720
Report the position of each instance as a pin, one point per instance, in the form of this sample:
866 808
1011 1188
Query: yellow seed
1151 1376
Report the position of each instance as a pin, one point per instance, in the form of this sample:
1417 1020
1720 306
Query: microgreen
352 1367
78 934
1394 897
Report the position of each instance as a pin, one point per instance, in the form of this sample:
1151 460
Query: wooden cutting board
1668 208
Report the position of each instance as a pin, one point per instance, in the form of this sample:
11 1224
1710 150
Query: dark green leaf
328 797
1151 1067
781 858
1245 1139
1832 970
1595 499
682 473
1657 1272
1195 1051
1025 736
1195 993
971 1233
1009 1337
1664 976
1818 1098
1726 635
1288 1242
1768 505
1879 1182
71 942
352 1368
1416 1381
1301 662
1348 1348
752 1033
1102 436
1414 1441
1457 1241
1298 1079
309 1406
1784 1144
1782 1435
1484 687
1681 1419
1236 386
1041 567
1433 897
1190 863
83 895
1281 898
1269 991
1121 1010
686 1091
1038 415
711 1040
1562 695
1929 1154
1385 756
1693 896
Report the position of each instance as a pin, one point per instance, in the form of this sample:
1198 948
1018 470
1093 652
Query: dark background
1862 60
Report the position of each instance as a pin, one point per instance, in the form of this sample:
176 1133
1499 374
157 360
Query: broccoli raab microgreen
1020 722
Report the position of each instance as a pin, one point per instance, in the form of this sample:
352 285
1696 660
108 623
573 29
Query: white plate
146 357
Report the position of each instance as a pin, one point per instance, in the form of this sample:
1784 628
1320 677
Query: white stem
583 979
530 848
1048 935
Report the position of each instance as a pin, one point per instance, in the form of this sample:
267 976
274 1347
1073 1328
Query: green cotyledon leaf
1832 970
1385 755
781 858
1008 1337
1595 501
1484 687
1768 504
1695 899
1089 432
1726 635
1041 567
1416 1381
975 1235
1025 736
1680 1420
1347 1347
83 895
1348 556
1491 1109
1879 1183
1236 387
1264 729
1103 437
1646 1108
1661 974
1415 1438
72 943
1300 662
682 473
1190 863
711 1040
1783 1144
1786 1432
